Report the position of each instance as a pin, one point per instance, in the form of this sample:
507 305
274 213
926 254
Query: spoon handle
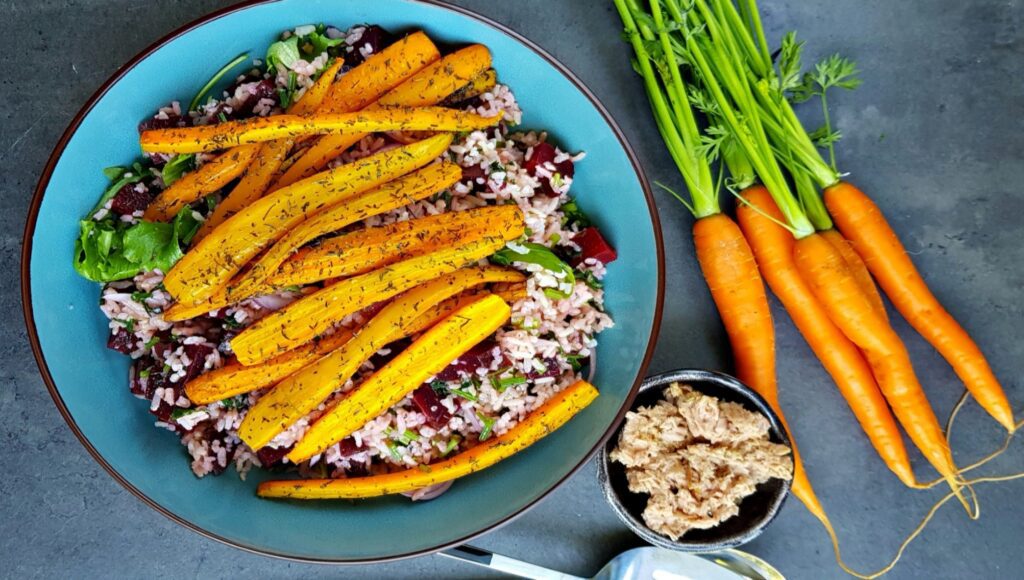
504 564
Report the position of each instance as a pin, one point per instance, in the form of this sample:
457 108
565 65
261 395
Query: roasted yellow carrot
482 83
192 186
258 176
264 168
261 129
428 87
236 379
380 73
546 419
313 99
300 321
425 357
402 191
371 248
300 393
220 255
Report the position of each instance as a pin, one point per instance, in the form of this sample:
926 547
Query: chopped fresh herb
223 117
440 388
527 232
152 342
451 445
507 382
141 296
231 323
557 180
127 323
488 422
576 361
574 215
555 238
144 373
111 249
464 394
235 402
393 450
589 279
198 99
211 202
287 95
407 437
554 294
167 367
292 288
177 166
180 412
531 253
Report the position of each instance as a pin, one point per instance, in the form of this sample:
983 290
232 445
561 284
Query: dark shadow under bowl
756 511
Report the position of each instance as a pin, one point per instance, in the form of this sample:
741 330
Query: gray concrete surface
936 134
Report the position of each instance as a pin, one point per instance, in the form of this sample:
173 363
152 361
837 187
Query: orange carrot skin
826 272
863 224
730 271
773 250
731 274
858 268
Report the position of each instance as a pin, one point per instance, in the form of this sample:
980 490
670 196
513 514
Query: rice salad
548 344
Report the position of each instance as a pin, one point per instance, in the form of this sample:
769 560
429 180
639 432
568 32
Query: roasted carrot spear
194 185
212 263
261 129
429 86
421 360
301 392
308 317
543 421
363 250
264 168
407 189
773 249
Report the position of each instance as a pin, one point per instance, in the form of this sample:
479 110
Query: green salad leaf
197 100
283 53
531 253
320 42
110 249
178 166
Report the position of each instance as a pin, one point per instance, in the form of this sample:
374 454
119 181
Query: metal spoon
657 563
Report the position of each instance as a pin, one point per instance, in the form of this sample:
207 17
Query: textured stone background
936 133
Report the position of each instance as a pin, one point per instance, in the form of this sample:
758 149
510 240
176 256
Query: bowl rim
72 128
637 525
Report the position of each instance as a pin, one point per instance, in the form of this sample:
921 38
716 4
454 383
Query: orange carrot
207 179
773 249
858 268
863 224
730 271
826 272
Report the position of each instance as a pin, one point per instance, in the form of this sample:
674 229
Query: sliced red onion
272 302
428 493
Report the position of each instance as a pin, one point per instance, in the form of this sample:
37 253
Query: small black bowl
756 511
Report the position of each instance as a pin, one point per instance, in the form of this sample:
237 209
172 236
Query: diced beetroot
551 369
379 360
145 386
430 405
122 341
593 245
270 455
472 173
347 447
544 153
265 89
480 356
376 37
197 354
128 200
154 123
164 409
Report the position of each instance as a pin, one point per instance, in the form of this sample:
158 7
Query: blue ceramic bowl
88 382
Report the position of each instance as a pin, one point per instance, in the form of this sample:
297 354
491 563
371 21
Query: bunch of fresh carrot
723 105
